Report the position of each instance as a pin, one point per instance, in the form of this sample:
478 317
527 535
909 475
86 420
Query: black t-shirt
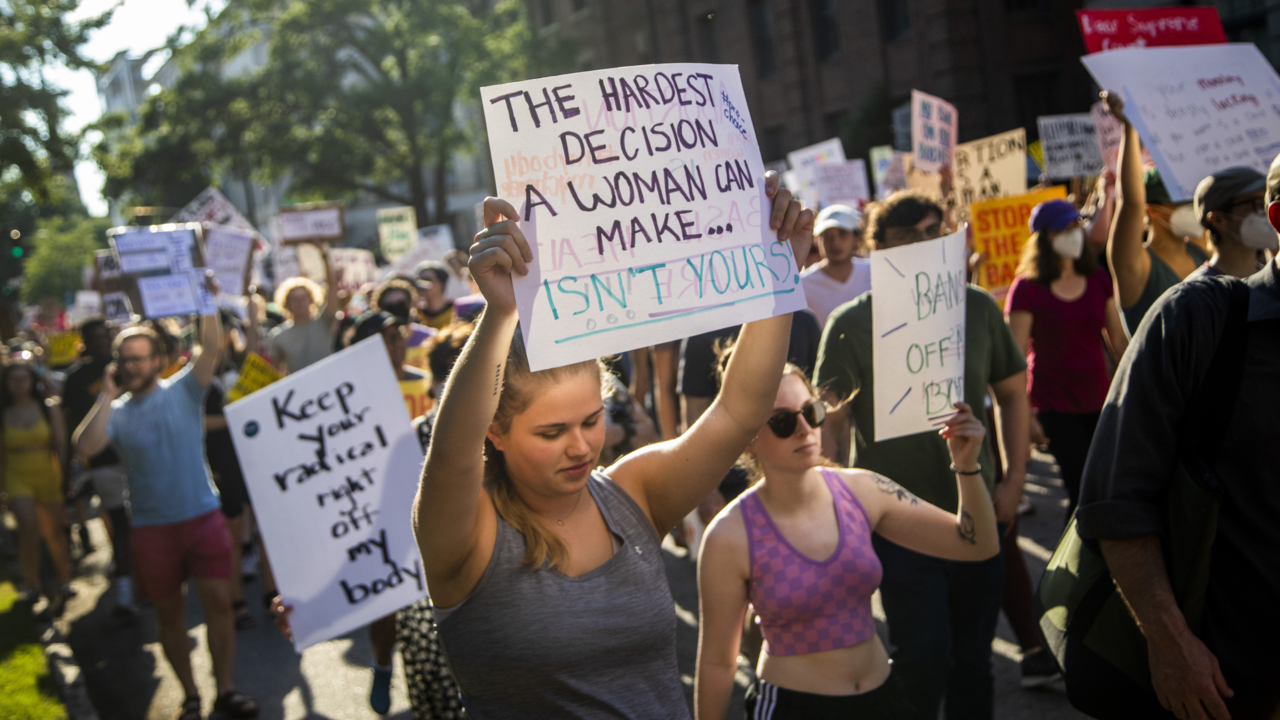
218 447
698 353
1127 476
79 393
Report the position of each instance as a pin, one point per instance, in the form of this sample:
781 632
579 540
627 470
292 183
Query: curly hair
293 283
904 209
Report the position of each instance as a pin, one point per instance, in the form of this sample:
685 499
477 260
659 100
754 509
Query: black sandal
190 709
235 704
244 620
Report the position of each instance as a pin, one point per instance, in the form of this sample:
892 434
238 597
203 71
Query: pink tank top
808 606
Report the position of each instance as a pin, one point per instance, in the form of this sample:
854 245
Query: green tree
62 246
34 34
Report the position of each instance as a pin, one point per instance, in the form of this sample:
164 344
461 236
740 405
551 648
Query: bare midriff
847 671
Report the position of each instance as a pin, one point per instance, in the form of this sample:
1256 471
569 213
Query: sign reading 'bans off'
641 193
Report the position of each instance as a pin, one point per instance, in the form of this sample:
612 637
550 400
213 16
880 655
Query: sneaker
380 695
1039 668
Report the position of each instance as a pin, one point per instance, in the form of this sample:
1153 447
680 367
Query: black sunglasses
784 422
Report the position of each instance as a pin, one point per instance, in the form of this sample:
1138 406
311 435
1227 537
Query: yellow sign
255 374
1000 229
64 348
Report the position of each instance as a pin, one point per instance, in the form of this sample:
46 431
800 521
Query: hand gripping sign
331 463
641 193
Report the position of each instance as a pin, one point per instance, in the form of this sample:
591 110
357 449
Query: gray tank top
529 644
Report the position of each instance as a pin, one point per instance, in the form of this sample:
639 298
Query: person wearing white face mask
1230 204
1058 308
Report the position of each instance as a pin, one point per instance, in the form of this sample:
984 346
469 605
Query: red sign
1150 27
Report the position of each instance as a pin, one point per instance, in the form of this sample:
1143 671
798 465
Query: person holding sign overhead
548 575
942 613
307 337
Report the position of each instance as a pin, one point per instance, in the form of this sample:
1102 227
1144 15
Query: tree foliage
62 246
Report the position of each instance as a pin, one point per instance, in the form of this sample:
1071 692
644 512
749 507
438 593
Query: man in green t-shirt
942 614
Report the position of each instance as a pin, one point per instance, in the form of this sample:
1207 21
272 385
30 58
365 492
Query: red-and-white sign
1150 27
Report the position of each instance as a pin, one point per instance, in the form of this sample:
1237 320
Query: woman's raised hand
499 250
792 221
1115 105
965 435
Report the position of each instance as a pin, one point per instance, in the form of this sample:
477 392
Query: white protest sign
433 243
397 231
837 182
354 267
827 151
115 307
1198 109
320 222
227 250
1109 132
888 171
1070 145
934 129
212 207
993 167
918 327
163 270
641 193
331 463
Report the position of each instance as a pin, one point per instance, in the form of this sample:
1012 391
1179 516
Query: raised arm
902 518
1115 330
450 513
670 478
1130 264
210 348
723 569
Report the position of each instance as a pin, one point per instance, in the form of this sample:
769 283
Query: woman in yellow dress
32 462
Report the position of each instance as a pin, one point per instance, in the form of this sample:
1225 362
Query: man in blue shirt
179 532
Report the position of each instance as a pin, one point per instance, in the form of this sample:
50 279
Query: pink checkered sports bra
805 605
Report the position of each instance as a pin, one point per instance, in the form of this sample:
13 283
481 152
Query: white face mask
1257 233
1069 243
1183 223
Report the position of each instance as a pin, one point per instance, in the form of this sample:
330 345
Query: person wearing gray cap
840 276
1230 205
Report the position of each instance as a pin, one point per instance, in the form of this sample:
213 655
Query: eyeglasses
1259 204
133 359
784 422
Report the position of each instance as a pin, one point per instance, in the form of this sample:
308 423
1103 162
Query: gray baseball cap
1216 191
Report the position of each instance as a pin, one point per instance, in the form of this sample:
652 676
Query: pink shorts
164 556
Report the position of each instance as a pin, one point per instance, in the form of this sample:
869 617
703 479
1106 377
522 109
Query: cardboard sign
1000 230
433 243
212 207
918 326
1150 27
255 374
332 463
827 151
836 182
992 167
64 348
228 251
354 267
1070 145
1109 132
116 307
312 223
397 231
641 193
934 129
162 267
888 171
1197 109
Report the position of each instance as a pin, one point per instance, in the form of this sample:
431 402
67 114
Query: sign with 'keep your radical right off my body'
641 193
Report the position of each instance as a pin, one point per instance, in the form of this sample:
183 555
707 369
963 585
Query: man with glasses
942 613
1231 205
179 531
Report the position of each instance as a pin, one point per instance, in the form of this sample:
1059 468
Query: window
707 39
1036 95
774 142
762 37
826 32
1246 21
547 12
896 20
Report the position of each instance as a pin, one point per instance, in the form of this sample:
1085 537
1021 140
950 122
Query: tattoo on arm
967 529
497 380
885 485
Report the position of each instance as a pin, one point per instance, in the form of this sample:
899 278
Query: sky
137 26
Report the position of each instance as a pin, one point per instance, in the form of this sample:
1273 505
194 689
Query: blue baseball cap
1053 215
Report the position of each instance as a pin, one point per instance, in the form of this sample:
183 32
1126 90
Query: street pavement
128 678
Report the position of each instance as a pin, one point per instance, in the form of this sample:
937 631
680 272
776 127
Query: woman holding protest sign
547 576
822 657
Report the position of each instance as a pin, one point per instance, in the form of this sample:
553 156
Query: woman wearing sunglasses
797 547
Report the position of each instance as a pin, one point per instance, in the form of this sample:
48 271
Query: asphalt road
128 678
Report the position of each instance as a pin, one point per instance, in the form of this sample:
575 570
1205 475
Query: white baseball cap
838 216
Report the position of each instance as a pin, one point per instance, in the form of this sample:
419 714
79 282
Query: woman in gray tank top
548 575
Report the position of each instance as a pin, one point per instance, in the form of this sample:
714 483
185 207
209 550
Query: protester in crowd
581 584
840 276
34 456
179 531
1154 417
1142 271
942 614
1059 308
797 547
437 307
104 471
1230 206
396 296
308 335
